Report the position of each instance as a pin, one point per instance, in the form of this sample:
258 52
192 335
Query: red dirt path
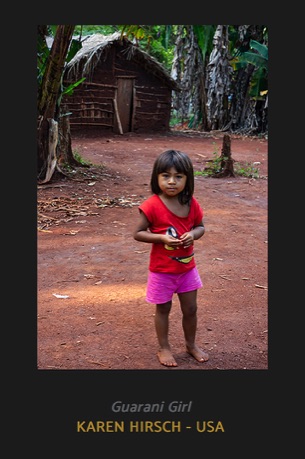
92 312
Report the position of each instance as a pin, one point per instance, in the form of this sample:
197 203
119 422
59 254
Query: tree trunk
48 109
64 152
226 164
219 75
246 117
52 139
188 70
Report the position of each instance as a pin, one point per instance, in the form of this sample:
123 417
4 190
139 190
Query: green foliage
247 170
92 29
162 55
214 167
205 34
260 48
69 90
258 57
157 40
81 160
174 120
43 53
134 32
161 44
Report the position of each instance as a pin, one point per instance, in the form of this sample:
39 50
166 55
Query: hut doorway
124 104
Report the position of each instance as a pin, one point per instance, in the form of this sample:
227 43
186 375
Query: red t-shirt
162 220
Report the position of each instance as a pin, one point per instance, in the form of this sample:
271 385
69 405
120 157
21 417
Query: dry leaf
60 296
261 286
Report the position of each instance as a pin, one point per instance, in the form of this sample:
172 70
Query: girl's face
171 182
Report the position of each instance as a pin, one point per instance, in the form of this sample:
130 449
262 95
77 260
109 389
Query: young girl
171 219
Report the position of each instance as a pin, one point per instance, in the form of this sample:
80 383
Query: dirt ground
92 313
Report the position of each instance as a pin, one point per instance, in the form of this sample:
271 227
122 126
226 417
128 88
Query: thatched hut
125 90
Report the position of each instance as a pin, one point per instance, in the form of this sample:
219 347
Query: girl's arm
142 234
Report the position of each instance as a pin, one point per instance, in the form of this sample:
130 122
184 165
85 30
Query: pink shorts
162 286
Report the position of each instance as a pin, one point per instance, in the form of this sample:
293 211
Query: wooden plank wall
92 102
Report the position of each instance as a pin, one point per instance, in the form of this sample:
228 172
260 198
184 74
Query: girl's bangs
168 162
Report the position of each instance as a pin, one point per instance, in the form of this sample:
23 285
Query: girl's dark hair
182 163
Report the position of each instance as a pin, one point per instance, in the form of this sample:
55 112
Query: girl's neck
173 204
166 198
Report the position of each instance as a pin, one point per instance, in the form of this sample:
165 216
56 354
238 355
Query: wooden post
117 116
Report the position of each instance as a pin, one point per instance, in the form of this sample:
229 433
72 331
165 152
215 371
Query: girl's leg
162 324
188 303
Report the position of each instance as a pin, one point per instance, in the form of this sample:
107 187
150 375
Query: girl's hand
171 241
187 239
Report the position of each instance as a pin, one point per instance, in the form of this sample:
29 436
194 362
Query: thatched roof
95 48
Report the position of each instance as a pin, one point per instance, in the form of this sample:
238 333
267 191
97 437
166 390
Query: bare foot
166 358
198 354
